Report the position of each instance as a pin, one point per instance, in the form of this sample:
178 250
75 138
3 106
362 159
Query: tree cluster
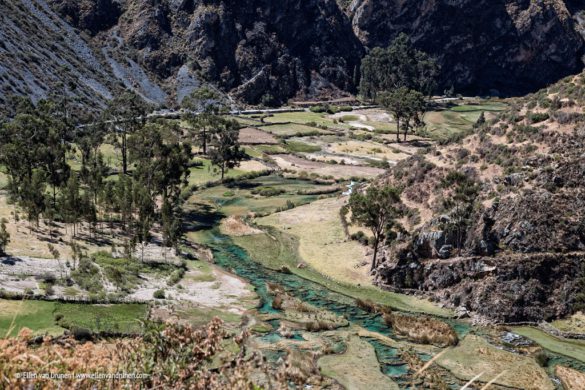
216 135
399 78
40 149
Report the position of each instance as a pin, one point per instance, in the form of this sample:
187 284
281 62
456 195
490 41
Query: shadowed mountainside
270 51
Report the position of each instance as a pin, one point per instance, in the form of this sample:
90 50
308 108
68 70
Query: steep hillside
267 52
497 220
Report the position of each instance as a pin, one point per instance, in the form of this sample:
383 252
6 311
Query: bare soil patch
298 164
254 136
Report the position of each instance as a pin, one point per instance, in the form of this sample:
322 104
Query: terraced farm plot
487 106
234 199
53 317
124 318
269 149
459 119
254 136
292 129
301 117
206 172
34 315
366 149
337 171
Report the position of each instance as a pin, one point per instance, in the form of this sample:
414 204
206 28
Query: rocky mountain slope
270 51
511 196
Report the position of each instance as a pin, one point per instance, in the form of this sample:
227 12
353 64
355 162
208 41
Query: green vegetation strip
277 249
52 318
571 348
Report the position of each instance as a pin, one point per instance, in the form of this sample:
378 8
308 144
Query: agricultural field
451 122
52 317
204 172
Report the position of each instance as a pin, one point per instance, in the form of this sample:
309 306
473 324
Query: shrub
277 302
318 109
159 294
538 117
176 276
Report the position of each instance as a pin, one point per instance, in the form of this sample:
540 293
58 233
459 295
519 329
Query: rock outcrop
503 289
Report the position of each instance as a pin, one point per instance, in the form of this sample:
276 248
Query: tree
33 196
71 202
226 152
460 204
480 121
4 237
55 119
145 216
128 115
406 105
21 145
203 112
377 209
162 164
399 65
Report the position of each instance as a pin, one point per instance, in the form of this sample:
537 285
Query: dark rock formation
510 46
507 289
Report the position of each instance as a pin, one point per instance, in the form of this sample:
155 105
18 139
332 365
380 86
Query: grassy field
448 123
572 324
357 367
487 106
53 317
301 147
322 242
275 249
301 117
208 173
123 318
474 356
3 181
572 348
38 316
293 129
234 199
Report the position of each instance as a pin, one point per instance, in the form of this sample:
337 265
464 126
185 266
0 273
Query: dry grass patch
572 324
357 368
297 164
570 378
234 226
254 136
322 242
364 149
422 329
474 356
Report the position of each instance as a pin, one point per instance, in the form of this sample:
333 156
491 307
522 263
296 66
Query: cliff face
270 51
509 46
258 50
